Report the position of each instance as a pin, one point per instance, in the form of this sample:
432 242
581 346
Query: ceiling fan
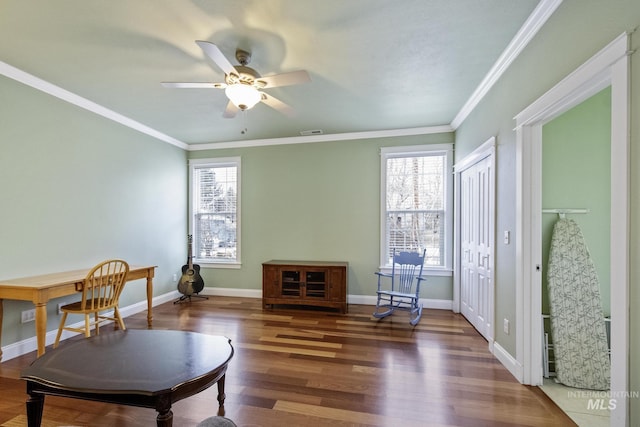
242 84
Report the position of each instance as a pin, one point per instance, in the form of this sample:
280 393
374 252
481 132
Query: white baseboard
30 344
508 361
351 299
438 304
229 292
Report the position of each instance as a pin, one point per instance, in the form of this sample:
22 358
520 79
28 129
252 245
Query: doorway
576 160
609 67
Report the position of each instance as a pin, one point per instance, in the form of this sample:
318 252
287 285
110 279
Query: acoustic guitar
191 282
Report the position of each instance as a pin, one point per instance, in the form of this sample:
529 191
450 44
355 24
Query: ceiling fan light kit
243 95
243 84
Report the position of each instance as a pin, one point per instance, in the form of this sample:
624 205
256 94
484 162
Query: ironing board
577 320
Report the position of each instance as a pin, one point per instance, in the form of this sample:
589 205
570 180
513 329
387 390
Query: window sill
225 265
444 272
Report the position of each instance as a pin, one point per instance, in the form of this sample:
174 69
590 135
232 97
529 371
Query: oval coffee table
148 368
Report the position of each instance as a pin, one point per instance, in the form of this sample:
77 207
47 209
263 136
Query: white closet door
468 287
476 229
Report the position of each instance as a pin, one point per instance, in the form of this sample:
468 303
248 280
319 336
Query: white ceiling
374 64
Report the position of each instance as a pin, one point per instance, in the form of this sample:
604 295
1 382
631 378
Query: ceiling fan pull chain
245 129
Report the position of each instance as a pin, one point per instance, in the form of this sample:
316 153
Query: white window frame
410 151
216 162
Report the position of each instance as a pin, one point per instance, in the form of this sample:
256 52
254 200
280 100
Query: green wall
314 201
576 173
574 33
76 189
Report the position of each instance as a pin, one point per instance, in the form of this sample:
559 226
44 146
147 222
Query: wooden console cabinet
312 283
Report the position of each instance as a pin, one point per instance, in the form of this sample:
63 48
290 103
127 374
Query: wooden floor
316 368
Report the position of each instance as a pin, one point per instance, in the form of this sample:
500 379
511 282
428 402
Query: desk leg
150 299
41 326
35 406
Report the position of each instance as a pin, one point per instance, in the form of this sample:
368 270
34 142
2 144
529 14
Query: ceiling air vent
311 132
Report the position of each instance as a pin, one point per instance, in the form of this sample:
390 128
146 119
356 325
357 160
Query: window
416 208
215 210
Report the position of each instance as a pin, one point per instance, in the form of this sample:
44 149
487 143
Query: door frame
609 67
486 149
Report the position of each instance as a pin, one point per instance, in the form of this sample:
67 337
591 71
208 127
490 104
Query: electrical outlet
59 311
175 277
506 326
28 315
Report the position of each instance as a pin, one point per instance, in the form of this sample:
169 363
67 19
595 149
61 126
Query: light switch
507 237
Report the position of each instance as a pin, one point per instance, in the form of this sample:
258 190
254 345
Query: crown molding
322 138
529 29
70 97
65 95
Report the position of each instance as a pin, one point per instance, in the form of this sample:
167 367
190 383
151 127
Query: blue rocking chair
402 290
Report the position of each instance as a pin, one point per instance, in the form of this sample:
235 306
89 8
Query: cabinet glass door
291 284
316 284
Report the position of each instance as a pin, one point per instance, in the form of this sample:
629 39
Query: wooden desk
40 289
138 367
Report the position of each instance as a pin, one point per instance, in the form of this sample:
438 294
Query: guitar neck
190 255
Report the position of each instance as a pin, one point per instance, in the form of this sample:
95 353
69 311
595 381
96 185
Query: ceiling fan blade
278 105
284 79
216 55
194 85
231 111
